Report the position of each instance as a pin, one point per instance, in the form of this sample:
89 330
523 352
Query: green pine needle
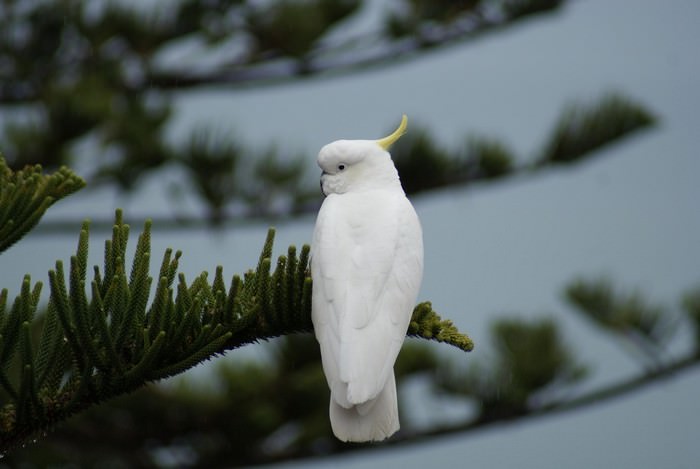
25 195
109 341
582 129
427 324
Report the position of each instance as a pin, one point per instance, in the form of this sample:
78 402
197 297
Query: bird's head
356 165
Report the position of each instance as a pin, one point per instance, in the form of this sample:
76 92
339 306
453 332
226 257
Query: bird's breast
358 209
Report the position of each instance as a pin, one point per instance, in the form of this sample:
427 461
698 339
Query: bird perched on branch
367 266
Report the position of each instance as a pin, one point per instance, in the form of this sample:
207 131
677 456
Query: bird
366 269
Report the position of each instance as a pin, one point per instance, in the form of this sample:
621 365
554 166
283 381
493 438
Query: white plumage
367 266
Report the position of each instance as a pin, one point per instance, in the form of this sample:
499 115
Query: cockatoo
366 266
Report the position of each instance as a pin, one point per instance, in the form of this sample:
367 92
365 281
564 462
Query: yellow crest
386 142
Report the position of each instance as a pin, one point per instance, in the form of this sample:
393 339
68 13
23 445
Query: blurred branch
598 396
581 129
264 189
630 317
691 307
103 76
503 413
277 41
531 359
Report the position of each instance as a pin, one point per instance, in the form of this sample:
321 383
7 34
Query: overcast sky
631 213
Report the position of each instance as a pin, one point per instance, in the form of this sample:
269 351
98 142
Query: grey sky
510 247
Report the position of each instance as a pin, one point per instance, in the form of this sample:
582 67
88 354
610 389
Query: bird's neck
389 182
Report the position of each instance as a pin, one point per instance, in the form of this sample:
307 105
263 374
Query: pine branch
98 346
605 393
423 165
25 195
285 41
583 129
691 307
280 41
530 359
646 327
426 324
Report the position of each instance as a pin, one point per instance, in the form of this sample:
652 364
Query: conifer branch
98 346
580 130
604 393
285 41
423 164
26 194
426 324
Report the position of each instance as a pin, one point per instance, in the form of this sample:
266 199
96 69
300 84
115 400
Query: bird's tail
373 420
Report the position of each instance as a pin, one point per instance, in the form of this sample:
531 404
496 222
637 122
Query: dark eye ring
341 167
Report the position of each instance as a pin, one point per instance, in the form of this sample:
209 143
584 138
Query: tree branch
25 195
112 344
605 393
273 65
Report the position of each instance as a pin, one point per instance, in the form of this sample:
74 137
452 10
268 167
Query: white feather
367 263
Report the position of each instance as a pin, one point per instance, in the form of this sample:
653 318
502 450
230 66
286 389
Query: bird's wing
367 262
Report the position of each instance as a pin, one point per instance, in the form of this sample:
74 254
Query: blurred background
551 157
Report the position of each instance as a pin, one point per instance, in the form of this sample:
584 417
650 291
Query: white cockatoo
367 266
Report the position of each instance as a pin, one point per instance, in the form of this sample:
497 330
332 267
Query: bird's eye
341 167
